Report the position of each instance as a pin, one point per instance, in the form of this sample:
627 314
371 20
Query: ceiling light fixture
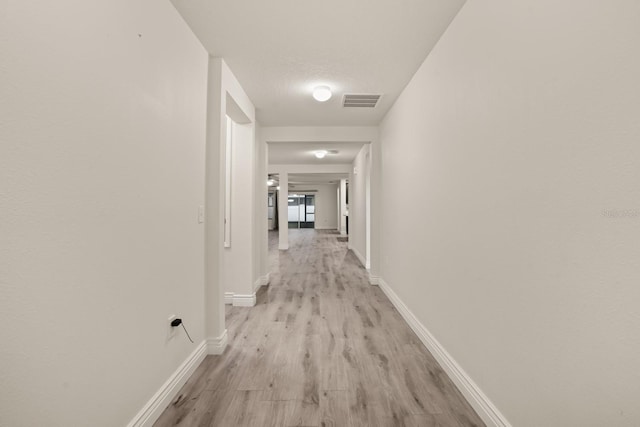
270 182
322 93
320 153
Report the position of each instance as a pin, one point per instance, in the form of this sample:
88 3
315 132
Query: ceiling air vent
362 100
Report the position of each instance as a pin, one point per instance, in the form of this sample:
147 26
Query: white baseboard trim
324 228
374 280
476 398
257 284
261 281
240 300
228 298
217 345
150 413
361 258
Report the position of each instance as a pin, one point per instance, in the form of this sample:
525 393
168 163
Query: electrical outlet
172 331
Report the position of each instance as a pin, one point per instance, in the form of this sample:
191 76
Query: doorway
301 211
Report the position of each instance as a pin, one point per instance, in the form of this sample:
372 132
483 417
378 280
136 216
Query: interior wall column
375 210
216 130
338 211
343 207
283 212
368 209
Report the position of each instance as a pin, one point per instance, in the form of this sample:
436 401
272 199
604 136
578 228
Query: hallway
322 347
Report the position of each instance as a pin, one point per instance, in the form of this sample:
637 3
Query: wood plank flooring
322 347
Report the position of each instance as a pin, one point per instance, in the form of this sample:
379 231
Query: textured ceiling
280 49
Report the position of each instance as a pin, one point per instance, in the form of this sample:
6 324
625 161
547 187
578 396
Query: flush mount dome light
322 93
320 153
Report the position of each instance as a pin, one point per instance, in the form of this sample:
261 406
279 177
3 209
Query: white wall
516 143
230 270
325 204
102 123
238 261
261 247
358 207
342 211
283 210
375 209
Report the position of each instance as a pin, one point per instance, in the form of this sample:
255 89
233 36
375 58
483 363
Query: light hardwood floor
322 347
